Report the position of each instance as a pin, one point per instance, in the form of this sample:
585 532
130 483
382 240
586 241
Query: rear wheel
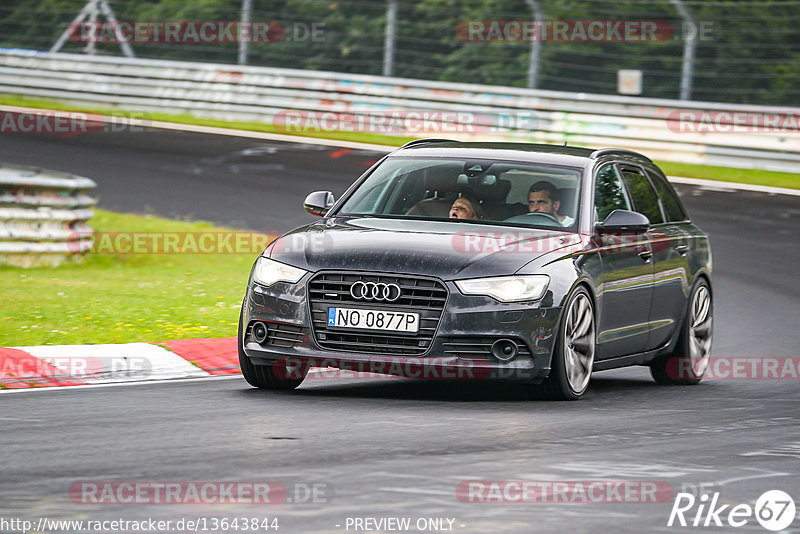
687 364
275 376
573 354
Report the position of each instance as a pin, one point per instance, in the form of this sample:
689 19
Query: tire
687 363
267 376
573 352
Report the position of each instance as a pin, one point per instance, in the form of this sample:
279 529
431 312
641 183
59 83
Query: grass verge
728 174
359 137
707 172
124 298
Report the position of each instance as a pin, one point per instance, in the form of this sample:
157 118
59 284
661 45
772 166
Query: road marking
728 186
751 477
125 362
121 384
415 491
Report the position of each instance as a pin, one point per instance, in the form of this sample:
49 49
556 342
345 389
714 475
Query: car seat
567 207
444 189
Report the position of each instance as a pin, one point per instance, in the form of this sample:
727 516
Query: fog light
504 350
260 332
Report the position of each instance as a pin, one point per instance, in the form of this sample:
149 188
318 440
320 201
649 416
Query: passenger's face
462 209
539 201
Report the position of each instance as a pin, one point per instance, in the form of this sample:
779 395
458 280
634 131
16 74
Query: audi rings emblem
375 291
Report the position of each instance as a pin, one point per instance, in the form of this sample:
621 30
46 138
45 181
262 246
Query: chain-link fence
729 51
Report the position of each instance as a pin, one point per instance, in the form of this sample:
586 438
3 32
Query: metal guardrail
258 94
43 216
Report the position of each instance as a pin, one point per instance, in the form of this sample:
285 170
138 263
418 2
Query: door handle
646 255
682 249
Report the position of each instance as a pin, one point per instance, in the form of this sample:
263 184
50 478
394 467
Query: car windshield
471 190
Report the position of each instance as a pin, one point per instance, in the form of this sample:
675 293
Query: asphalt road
400 448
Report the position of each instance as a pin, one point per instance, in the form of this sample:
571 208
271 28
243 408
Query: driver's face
539 201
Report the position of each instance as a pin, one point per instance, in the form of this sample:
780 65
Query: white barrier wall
43 216
691 132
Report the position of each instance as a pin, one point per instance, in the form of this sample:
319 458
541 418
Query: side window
645 199
609 194
673 207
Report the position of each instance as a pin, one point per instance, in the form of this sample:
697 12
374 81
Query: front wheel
274 376
687 364
573 354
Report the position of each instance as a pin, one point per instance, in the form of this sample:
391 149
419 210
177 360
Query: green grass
125 298
360 137
726 174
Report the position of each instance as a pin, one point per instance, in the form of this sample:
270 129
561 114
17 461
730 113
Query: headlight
507 288
268 272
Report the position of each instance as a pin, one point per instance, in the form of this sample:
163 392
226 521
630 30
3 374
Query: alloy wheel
579 343
700 330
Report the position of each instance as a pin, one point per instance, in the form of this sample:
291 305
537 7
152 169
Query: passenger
543 197
466 207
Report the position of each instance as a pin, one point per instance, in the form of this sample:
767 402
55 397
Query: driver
543 197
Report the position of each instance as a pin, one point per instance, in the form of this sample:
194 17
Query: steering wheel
531 217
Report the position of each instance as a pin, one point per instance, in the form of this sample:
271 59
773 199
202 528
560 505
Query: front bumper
465 320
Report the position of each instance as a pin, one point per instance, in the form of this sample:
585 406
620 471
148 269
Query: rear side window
609 193
645 199
673 207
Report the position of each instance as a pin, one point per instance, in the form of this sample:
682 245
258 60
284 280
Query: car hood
449 250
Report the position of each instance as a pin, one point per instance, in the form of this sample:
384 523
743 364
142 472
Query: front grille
478 348
425 296
280 334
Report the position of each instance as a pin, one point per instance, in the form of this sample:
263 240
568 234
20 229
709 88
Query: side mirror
318 203
624 221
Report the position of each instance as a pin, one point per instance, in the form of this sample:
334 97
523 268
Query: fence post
244 36
388 42
536 45
689 45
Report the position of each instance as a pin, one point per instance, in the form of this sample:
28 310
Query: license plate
373 319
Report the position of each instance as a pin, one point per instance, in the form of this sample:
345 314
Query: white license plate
373 319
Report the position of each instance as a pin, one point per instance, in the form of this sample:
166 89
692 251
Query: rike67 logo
774 510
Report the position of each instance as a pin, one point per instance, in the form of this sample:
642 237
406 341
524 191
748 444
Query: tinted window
483 190
673 208
645 200
609 193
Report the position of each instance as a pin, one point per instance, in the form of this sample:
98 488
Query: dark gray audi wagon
534 263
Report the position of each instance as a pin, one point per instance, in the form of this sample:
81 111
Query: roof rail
426 141
605 151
